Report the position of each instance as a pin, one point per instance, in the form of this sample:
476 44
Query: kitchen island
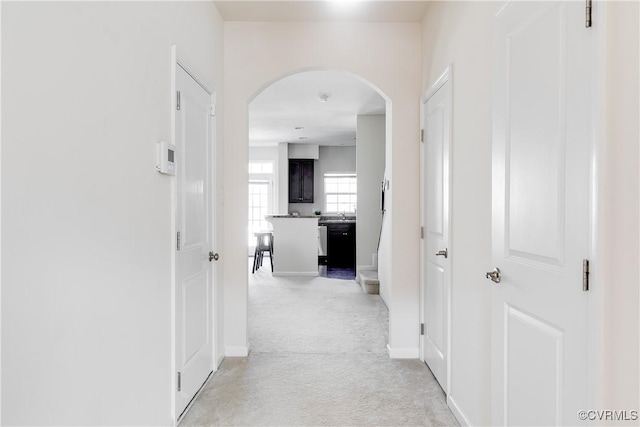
295 245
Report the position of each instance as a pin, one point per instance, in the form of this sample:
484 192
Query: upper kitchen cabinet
300 180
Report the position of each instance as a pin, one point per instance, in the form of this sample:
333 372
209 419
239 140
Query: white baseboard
403 353
240 351
296 273
457 412
382 296
219 360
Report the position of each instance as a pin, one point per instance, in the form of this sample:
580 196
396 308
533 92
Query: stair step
369 281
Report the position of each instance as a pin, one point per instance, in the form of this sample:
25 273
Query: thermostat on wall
166 158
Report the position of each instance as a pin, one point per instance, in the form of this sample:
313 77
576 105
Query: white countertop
292 216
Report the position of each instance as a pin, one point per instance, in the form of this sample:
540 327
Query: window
340 192
260 183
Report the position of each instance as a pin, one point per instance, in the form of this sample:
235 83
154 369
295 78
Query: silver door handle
443 253
213 256
494 275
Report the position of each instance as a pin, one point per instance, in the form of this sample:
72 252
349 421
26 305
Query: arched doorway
336 121
261 55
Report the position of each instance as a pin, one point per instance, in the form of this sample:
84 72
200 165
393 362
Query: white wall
370 135
460 33
86 279
388 56
618 212
264 153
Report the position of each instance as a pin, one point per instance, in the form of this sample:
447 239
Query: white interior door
436 261
541 182
193 295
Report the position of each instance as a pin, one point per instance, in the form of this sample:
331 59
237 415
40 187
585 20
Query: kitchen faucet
343 215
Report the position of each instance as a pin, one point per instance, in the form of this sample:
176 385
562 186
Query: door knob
213 256
494 275
443 253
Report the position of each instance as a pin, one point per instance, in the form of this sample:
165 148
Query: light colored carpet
318 357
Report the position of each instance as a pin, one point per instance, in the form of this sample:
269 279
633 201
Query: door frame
445 76
177 60
596 308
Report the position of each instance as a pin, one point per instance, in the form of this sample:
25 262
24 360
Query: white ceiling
325 10
294 101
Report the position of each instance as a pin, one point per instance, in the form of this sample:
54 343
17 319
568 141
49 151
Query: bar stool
264 243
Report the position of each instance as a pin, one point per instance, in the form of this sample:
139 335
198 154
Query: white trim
189 69
296 273
446 75
1 289
219 359
383 298
186 70
502 8
215 227
174 204
403 353
595 304
236 351
0 226
457 411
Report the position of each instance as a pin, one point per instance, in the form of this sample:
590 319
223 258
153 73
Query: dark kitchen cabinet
300 180
341 245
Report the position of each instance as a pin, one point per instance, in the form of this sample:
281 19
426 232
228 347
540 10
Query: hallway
318 357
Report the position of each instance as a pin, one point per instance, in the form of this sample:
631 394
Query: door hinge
178 100
585 275
179 381
421 135
588 8
421 328
178 241
422 232
212 111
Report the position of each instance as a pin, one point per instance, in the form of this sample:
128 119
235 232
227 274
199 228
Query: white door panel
534 353
436 269
541 143
194 172
435 315
196 333
194 347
